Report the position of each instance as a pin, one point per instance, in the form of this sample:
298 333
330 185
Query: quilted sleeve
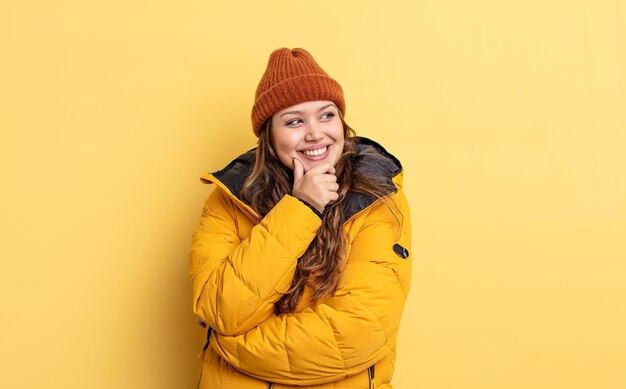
235 283
350 331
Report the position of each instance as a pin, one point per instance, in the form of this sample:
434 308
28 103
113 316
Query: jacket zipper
208 338
371 374
206 345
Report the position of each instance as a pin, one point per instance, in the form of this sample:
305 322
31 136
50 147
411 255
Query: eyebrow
300 112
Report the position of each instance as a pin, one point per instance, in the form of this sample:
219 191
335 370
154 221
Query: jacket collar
371 158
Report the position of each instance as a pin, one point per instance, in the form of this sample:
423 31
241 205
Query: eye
293 122
328 115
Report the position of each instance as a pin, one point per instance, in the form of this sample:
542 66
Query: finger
324 167
298 170
331 187
326 178
333 196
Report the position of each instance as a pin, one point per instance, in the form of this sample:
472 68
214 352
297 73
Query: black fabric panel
371 159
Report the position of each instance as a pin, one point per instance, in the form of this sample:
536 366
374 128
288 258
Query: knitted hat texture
292 77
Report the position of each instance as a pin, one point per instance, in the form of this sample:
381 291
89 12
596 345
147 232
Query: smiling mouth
316 152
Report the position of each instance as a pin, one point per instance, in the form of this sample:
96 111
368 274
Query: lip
316 157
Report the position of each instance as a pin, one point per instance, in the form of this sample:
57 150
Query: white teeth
314 153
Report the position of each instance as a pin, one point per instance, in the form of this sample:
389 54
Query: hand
317 187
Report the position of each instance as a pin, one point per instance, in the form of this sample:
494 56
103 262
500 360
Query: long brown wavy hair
321 265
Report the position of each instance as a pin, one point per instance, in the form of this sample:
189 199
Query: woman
300 265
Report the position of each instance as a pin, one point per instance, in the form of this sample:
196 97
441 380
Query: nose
313 133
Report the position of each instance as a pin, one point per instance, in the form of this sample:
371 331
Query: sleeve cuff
318 213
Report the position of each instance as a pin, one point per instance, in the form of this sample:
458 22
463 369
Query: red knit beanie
292 77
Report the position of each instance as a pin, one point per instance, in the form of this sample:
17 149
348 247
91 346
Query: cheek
339 150
339 139
335 130
280 140
339 142
285 145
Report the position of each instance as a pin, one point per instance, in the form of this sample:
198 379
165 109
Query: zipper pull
371 373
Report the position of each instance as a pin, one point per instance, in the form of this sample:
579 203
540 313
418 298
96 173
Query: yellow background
509 116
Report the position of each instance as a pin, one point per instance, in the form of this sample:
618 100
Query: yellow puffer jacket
240 263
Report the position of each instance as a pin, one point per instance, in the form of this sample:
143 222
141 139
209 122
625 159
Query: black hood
371 159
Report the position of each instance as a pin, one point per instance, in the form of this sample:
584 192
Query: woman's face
311 132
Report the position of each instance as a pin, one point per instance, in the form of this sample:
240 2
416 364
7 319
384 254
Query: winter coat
240 264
